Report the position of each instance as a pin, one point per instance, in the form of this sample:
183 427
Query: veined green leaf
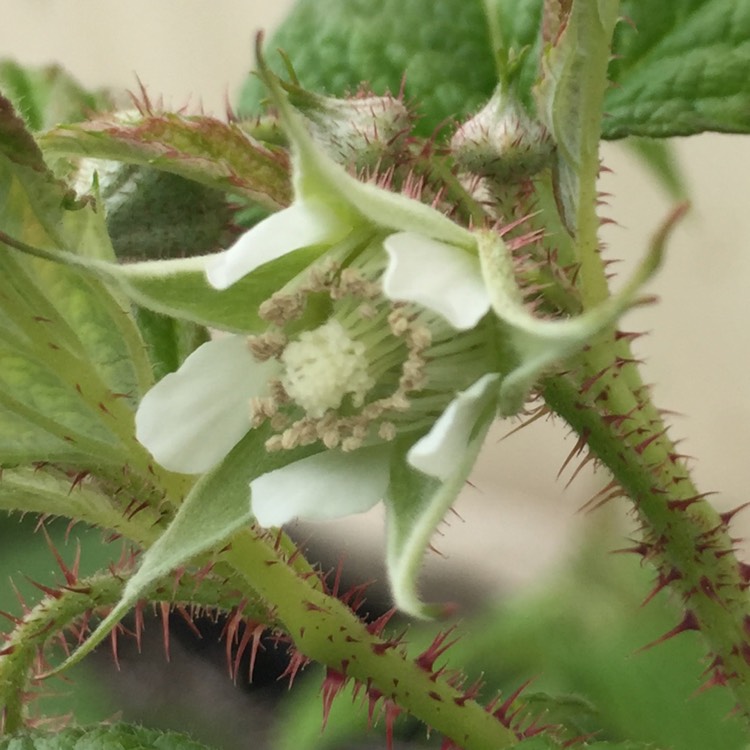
71 354
680 68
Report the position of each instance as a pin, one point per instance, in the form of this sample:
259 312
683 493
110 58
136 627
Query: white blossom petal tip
441 451
300 225
327 485
192 418
443 278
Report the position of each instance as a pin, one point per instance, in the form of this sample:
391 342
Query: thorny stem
684 537
325 630
22 662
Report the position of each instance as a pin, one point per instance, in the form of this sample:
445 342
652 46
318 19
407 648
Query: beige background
198 52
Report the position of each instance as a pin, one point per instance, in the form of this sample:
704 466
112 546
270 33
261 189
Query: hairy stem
69 608
325 630
683 535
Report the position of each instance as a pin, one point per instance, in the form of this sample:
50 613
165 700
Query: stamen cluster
353 378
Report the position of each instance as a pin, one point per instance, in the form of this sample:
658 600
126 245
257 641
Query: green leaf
49 95
71 355
152 214
109 737
681 68
215 154
678 68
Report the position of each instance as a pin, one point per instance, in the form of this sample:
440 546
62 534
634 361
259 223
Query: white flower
380 362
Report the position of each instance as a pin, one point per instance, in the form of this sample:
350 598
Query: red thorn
53 593
391 711
70 574
663 580
642 548
376 627
727 516
333 683
641 447
78 480
718 679
688 622
681 505
297 661
576 450
426 660
113 636
164 607
612 491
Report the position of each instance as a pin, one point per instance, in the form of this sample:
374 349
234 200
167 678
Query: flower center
322 366
374 369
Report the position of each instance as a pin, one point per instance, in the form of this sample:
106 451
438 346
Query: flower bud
502 141
363 130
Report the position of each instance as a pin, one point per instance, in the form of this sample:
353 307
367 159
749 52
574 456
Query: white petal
193 417
300 225
441 451
327 485
440 277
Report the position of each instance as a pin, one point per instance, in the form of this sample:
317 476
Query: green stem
325 630
58 611
684 536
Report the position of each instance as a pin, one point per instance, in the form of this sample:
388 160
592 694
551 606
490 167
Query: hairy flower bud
502 141
363 130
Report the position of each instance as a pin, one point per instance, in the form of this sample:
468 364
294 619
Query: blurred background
517 523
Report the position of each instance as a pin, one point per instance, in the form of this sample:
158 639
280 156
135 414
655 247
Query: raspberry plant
383 275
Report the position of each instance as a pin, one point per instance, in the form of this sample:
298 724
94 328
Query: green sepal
416 505
540 343
570 93
317 179
216 154
661 159
216 507
179 288
106 737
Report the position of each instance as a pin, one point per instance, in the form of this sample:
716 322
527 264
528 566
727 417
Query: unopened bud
363 131
502 141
